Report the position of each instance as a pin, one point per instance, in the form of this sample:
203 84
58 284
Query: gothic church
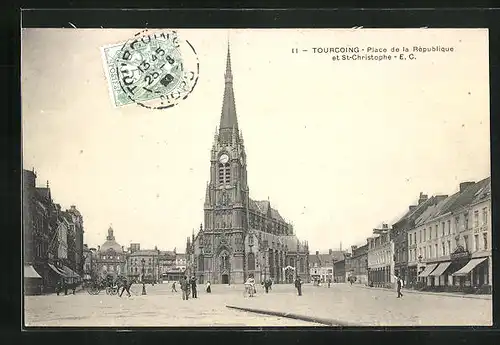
240 236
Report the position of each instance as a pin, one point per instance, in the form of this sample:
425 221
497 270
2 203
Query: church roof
228 118
43 192
262 206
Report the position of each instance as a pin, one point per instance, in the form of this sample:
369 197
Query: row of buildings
52 238
54 248
442 243
150 265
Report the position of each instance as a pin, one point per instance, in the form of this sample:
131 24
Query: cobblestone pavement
374 307
159 308
349 305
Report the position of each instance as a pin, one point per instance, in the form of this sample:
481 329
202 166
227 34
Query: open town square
340 305
345 214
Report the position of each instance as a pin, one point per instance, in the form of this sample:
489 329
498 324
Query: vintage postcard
256 177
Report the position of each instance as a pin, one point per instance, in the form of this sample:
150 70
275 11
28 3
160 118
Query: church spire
228 118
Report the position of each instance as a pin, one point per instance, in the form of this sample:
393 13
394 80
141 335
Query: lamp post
143 284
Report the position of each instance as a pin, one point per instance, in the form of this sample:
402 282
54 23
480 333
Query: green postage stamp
154 70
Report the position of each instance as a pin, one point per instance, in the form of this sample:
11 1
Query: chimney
123 249
385 226
98 248
422 198
353 248
465 185
412 208
329 252
317 252
440 198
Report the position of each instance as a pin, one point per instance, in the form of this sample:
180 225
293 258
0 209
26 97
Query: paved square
352 305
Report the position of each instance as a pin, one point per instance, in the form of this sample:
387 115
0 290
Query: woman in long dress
209 290
250 286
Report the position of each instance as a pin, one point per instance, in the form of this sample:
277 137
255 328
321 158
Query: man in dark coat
267 285
185 288
126 287
193 287
298 285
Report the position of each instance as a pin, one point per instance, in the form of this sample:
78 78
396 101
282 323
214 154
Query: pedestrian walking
185 288
329 281
65 285
209 289
298 285
173 287
399 285
267 285
126 287
193 287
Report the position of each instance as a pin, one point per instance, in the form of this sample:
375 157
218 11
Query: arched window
292 262
302 269
251 261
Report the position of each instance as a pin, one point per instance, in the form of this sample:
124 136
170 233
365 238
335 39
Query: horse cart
111 286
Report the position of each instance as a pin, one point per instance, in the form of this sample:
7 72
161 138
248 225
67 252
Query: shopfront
458 280
425 277
440 275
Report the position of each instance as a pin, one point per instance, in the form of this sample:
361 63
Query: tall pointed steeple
228 118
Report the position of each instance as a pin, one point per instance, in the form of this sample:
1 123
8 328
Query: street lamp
143 284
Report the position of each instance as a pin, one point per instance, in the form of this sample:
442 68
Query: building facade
144 265
321 265
111 260
450 244
339 271
381 258
89 263
359 264
46 239
400 238
241 236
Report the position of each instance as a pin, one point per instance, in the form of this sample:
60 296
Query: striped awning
30 272
70 273
440 269
55 269
469 267
428 269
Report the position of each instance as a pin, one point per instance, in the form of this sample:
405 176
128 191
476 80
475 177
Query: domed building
111 257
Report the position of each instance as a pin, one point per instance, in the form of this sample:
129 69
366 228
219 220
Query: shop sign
460 253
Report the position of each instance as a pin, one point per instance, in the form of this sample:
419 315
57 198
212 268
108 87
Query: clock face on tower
224 158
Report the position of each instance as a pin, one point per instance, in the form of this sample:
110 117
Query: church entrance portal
225 279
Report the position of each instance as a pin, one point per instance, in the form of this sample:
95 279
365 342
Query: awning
70 273
428 269
469 267
30 272
440 269
56 270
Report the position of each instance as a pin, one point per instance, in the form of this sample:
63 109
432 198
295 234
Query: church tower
226 198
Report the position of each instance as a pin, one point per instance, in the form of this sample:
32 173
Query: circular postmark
157 70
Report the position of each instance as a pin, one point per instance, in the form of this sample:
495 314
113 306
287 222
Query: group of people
63 285
189 287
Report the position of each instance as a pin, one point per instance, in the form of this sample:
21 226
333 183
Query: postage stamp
154 70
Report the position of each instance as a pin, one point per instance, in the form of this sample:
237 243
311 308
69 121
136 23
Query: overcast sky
338 147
